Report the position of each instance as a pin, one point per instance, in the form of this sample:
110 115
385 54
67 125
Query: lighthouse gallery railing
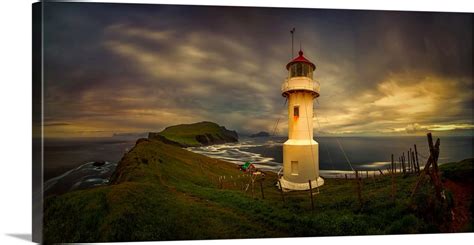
300 85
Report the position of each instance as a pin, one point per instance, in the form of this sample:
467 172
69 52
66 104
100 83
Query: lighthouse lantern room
300 151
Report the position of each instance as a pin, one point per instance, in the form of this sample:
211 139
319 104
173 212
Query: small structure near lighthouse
300 151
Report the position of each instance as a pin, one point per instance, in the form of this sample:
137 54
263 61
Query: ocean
69 164
337 154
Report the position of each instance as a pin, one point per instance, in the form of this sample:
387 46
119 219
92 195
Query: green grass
185 134
459 171
162 192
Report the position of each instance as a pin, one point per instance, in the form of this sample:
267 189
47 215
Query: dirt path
462 194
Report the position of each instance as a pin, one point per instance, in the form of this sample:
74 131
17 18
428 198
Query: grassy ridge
458 171
197 134
153 200
162 192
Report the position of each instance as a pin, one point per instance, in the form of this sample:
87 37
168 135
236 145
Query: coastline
165 189
261 151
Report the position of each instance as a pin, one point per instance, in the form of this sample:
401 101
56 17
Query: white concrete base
292 186
306 155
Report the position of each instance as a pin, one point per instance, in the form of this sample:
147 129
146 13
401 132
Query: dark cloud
133 68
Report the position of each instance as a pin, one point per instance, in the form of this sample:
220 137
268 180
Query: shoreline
165 188
269 164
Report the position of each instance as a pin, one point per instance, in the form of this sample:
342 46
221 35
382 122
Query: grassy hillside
163 192
458 171
196 134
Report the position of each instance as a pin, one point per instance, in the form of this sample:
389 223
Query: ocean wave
235 153
84 176
238 153
376 165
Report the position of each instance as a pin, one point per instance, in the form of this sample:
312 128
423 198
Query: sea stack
300 151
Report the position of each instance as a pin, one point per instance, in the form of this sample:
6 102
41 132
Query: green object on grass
246 165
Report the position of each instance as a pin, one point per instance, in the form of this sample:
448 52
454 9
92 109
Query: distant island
260 134
160 191
196 134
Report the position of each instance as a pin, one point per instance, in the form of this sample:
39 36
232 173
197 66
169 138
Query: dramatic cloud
113 68
417 101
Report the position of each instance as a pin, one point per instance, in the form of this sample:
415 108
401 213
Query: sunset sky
114 68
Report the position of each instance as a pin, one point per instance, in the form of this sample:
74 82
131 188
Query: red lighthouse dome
300 59
300 67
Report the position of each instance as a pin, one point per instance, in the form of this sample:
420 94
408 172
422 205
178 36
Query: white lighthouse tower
300 151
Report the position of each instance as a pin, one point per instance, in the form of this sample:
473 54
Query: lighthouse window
293 71
296 111
305 70
294 167
301 70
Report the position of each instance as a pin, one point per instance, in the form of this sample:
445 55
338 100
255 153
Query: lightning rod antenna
292 31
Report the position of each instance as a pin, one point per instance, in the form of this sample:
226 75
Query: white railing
302 84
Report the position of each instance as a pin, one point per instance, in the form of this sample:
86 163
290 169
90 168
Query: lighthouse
300 151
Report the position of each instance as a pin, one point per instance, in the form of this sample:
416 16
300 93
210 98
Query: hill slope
197 134
163 192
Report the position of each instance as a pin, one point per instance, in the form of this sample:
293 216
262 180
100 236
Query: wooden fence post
400 164
434 150
432 160
381 172
261 188
392 163
311 195
417 162
421 176
403 163
359 194
393 186
408 161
